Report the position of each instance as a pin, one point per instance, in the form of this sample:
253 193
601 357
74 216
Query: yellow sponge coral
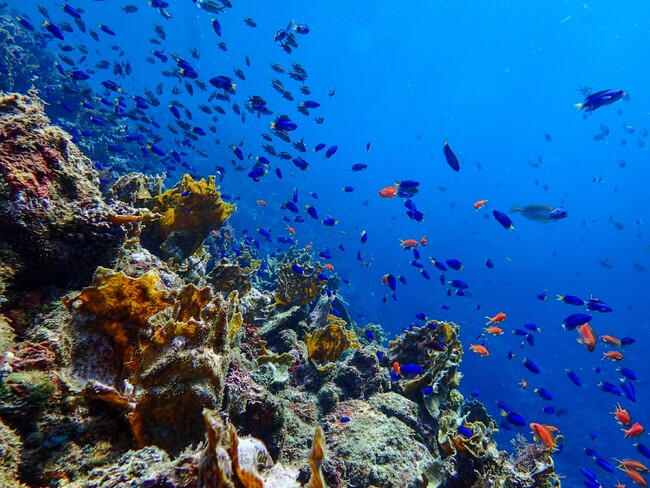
329 343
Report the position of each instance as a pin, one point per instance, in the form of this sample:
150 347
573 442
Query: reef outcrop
212 367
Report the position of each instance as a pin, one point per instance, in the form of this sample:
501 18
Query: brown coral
298 288
188 213
329 343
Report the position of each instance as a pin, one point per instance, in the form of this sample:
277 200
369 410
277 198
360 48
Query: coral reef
188 212
327 344
298 283
118 383
53 228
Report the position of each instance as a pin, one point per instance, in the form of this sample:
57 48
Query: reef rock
53 227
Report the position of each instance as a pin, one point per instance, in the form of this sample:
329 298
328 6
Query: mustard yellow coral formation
316 457
122 307
329 343
298 288
188 213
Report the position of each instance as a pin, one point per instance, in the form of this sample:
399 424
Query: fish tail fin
578 106
514 208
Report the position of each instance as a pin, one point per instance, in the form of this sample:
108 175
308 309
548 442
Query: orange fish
329 266
479 204
261 203
494 330
635 477
613 355
388 192
497 319
587 337
621 415
477 348
635 431
543 433
424 241
409 243
619 485
611 340
291 230
632 464
396 367
523 384
308 246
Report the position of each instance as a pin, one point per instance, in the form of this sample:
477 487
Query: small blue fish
298 269
503 219
599 99
441 266
645 451
216 26
598 306
25 23
458 284
628 373
465 432
571 300
364 237
531 366
426 276
370 335
544 394
411 369
576 319
451 158
331 151
610 388
312 212
358 167
345 420
549 409
516 419
532 327
420 316
54 30
542 296
330 222
454 264
427 390
107 29
489 264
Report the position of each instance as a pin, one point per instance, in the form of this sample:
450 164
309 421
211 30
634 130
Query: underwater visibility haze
301 243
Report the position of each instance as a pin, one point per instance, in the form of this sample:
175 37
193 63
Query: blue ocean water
499 81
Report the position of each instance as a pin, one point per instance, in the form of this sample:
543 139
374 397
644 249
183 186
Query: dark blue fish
531 366
284 123
626 341
415 215
223 83
549 409
278 173
516 419
411 369
532 327
504 425
370 335
474 394
325 254
216 26
291 207
257 172
319 147
348 189
312 212
380 355
426 276
54 30
97 121
544 394
605 465
331 151
427 390
458 284
489 263
391 281
530 339
588 474
417 264
610 388
520 332
174 110
576 319
416 253
628 373
301 28
451 158
503 219
364 237
438 264
598 306
345 420
358 167
330 222
401 279
420 316
300 163
645 451
25 23
454 264
600 99
107 29
542 296
571 300
628 390
465 432
71 11
298 269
